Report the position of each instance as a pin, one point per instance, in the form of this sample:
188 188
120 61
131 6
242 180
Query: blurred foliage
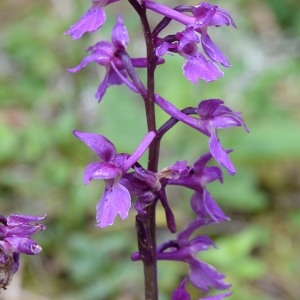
42 163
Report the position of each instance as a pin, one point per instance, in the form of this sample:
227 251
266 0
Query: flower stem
147 249
150 262
145 223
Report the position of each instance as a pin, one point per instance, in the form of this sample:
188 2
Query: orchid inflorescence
123 175
15 238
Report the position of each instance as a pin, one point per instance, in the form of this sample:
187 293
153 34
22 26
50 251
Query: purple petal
103 51
223 122
200 243
120 37
115 200
93 19
213 51
222 17
16 220
204 276
203 204
97 143
198 205
184 236
211 15
111 78
16 257
210 174
142 147
201 162
100 170
102 88
212 208
186 37
219 154
198 67
24 230
204 13
83 63
162 49
24 245
207 108
181 293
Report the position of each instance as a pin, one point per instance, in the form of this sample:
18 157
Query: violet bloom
211 15
115 198
93 19
202 202
15 238
213 116
104 53
202 275
197 66
184 249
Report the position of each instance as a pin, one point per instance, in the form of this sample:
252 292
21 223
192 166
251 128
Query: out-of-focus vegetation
42 163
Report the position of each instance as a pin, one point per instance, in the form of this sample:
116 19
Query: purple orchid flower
184 249
197 66
116 198
93 19
104 53
211 15
15 238
202 202
213 116
202 275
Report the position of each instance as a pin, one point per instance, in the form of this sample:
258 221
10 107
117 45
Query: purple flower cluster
123 175
15 238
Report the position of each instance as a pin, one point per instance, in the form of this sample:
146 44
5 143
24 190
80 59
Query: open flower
202 275
104 54
213 115
207 15
197 66
115 198
93 19
199 175
15 238
184 249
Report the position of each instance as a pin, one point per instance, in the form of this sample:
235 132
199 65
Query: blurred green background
42 163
